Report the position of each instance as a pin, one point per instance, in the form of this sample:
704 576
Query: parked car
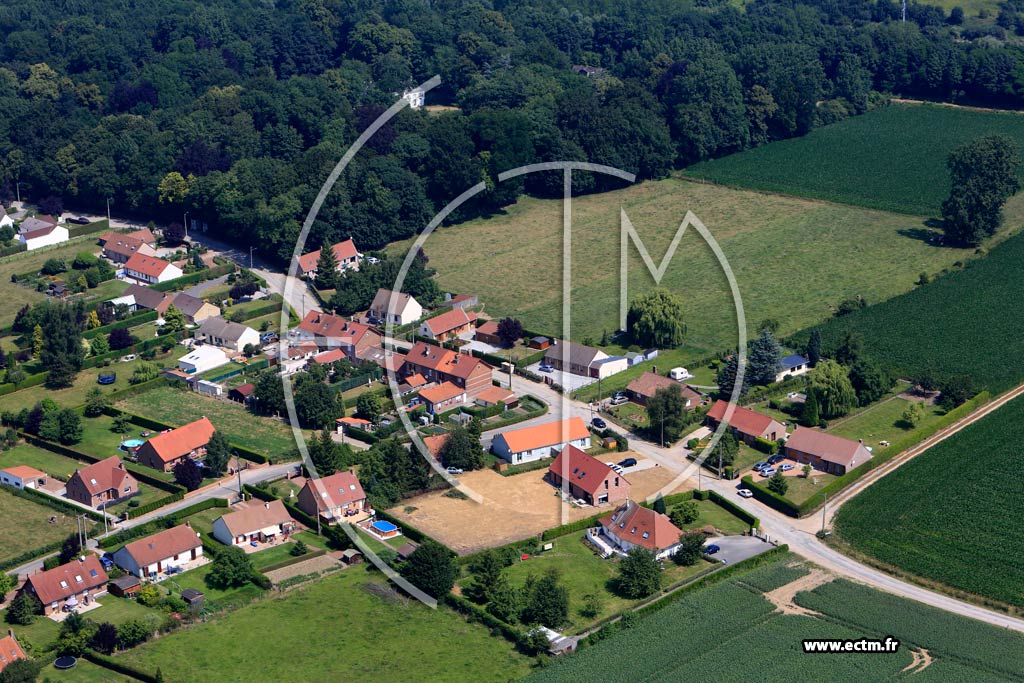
745 493
374 320
107 379
372 260
760 466
786 467
599 423
628 462
768 472
618 400
453 470
81 220
776 459
711 549
544 367
617 469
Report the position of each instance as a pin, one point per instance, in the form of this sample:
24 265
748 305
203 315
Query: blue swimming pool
384 527
131 443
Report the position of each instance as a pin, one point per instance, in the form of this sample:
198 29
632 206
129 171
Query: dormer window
63 584
633 530
646 534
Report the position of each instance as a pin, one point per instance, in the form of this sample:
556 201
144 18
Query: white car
786 467
745 493
767 472
453 470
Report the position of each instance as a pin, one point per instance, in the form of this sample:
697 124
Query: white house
150 269
416 97
153 555
226 334
5 220
258 522
634 526
23 477
202 358
540 441
404 309
793 365
42 236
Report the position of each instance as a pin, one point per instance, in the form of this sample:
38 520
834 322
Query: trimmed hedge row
194 278
30 555
118 666
89 229
130 321
125 535
57 504
765 446
578 525
476 613
292 560
157 504
265 496
30 381
273 307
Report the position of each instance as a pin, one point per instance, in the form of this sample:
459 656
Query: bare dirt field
514 508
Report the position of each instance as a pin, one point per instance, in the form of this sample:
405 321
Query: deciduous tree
431 568
832 388
656 319
639 574
983 175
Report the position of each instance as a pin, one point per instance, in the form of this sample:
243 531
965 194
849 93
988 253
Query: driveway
738 548
566 379
205 285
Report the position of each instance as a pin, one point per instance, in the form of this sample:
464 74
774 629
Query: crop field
368 637
177 407
732 633
946 510
967 322
792 258
893 159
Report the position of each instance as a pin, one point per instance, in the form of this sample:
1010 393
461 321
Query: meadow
949 516
893 159
793 258
334 625
731 633
25 526
967 322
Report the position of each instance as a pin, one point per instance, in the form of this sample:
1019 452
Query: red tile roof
342 251
124 245
333 327
743 419
103 475
149 266
354 422
490 328
438 359
245 389
547 434
434 443
415 380
648 383
183 440
642 526
449 321
576 467
442 392
163 544
828 447
144 234
494 394
24 472
329 356
39 232
336 490
67 579
10 651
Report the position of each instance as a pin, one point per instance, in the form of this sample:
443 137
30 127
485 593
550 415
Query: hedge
130 321
735 509
409 531
292 560
30 555
765 446
477 613
125 535
265 496
307 520
137 348
57 504
118 666
30 381
157 504
361 435
273 307
578 525
89 229
13 249
194 278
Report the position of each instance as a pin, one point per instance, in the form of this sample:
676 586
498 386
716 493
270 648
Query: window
63 584
78 578
633 530
646 534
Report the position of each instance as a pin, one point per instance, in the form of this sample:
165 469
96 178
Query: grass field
25 526
893 159
52 463
948 511
330 626
966 322
13 296
177 407
731 633
792 258
84 672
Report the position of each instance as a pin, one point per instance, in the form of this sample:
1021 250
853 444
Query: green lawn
801 488
667 359
882 422
790 257
271 555
306 630
713 514
215 597
178 406
203 521
84 672
52 463
25 525
119 610
892 159
13 296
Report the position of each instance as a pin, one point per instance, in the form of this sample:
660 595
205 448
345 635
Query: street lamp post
250 257
17 188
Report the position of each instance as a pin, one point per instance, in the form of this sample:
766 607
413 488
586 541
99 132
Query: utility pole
250 257
108 212
186 226
824 506
238 471
17 188
904 11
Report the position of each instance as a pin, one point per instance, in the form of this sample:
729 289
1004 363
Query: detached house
41 231
10 650
194 309
793 365
334 498
634 526
746 424
138 297
164 451
443 397
644 387
226 334
395 307
102 483
202 358
586 478
23 477
151 270
450 325
119 248
585 361
540 441
76 583
344 252
329 332
153 555
258 522
826 452
439 365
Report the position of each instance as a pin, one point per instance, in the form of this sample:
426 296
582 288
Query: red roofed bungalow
150 269
10 650
454 323
442 398
166 450
72 584
344 252
586 478
747 424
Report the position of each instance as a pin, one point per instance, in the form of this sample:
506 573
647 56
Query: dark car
776 459
107 379
599 423
628 462
81 220
711 549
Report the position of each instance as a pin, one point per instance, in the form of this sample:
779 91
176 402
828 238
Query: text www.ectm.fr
888 644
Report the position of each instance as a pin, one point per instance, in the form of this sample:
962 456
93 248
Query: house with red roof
442 397
330 332
826 452
345 253
102 483
540 441
155 554
334 497
150 269
76 583
746 424
487 333
644 387
449 325
586 478
342 424
634 526
10 650
164 451
119 248
492 396
440 365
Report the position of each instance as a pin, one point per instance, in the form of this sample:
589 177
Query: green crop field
333 629
793 258
967 322
949 516
892 159
730 633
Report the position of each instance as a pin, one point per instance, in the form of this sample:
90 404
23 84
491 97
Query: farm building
585 361
164 451
540 441
171 548
102 483
746 424
76 583
258 522
826 452
586 478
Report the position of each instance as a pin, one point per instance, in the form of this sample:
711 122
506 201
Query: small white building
210 388
259 522
793 365
202 358
43 236
416 97
540 441
5 220
226 334
23 477
153 555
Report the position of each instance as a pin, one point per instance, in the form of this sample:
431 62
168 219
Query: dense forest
236 110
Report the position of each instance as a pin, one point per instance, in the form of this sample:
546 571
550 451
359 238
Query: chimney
267 505
120 464
188 524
